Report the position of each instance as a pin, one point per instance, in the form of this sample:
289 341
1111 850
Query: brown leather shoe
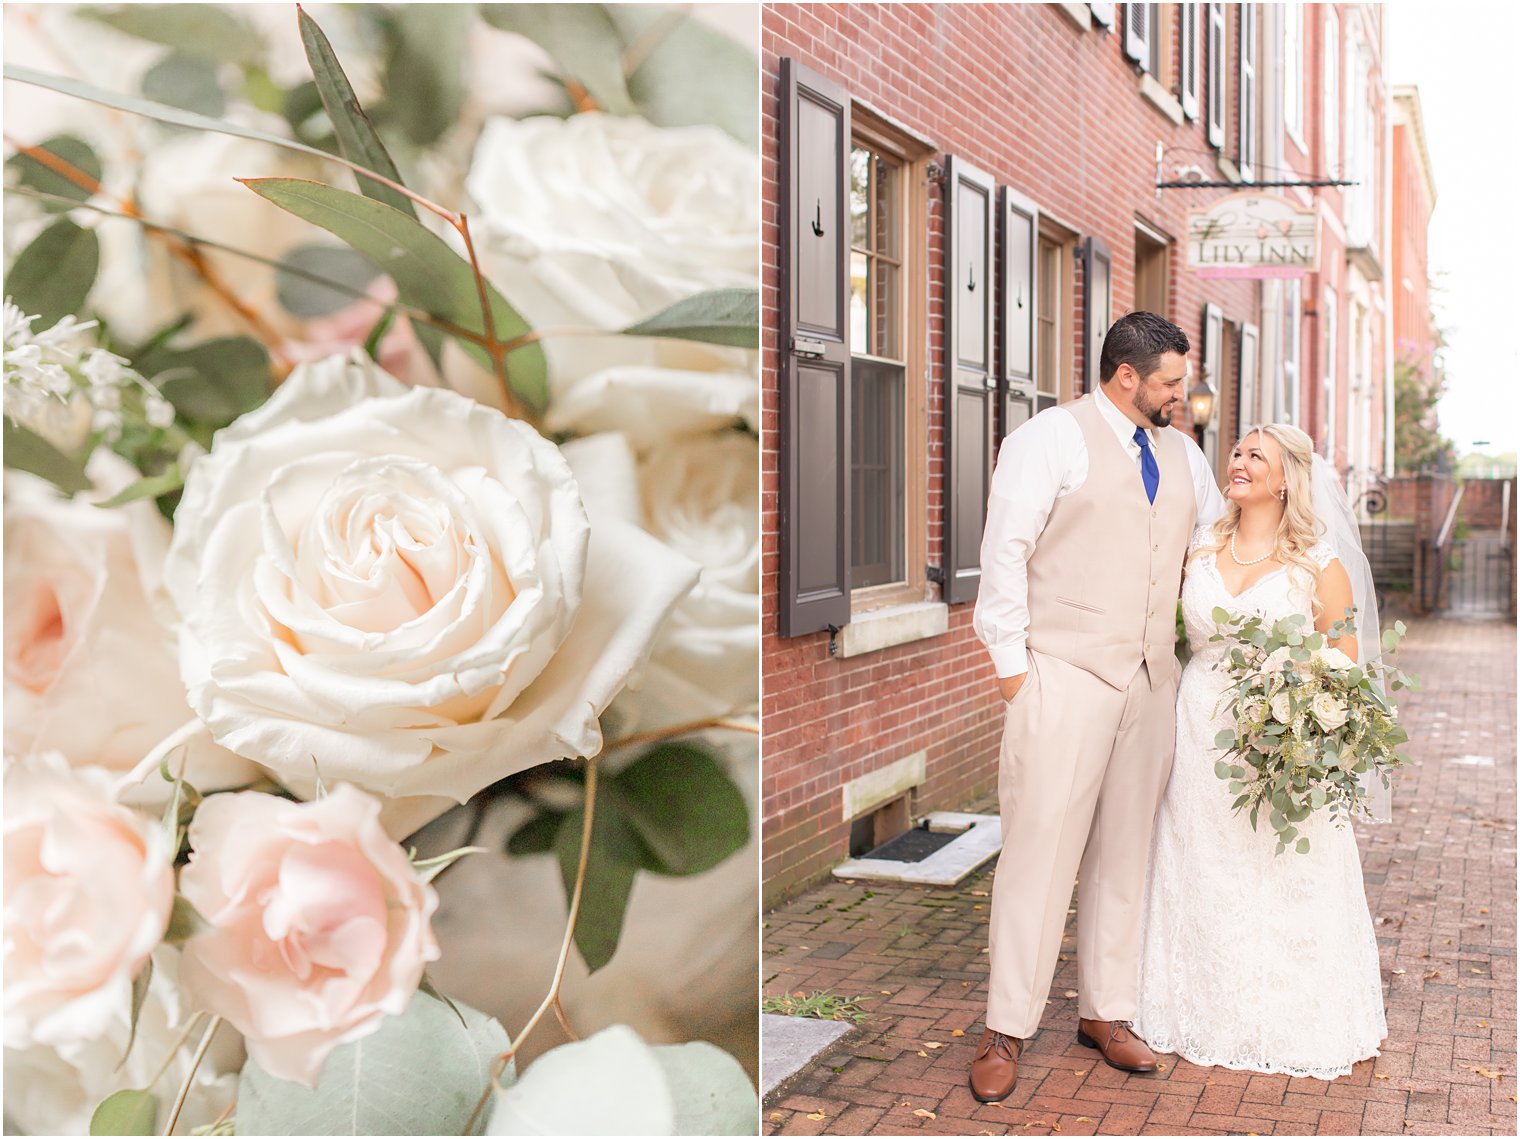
1120 1046
996 1066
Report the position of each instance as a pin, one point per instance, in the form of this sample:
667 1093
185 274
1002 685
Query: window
1246 93
1053 324
878 365
1187 59
1145 36
1293 72
1215 91
1293 293
1332 99
1151 248
1327 395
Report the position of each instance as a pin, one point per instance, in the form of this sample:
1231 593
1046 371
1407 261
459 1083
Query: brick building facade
959 200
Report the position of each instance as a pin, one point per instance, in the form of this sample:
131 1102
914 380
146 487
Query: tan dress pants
1081 775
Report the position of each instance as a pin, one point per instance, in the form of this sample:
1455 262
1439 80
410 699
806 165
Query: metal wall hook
818 218
971 277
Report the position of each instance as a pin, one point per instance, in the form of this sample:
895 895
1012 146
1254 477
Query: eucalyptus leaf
422 1073
35 176
377 334
537 835
722 316
213 382
140 984
209 30
581 39
1302 846
186 81
356 134
52 276
693 74
688 812
131 1111
27 451
184 922
711 1092
423 76
429 275
613 861
300 296
150 486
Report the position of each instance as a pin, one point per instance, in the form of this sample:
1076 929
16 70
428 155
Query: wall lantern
1201 400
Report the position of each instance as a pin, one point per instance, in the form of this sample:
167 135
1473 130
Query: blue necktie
1150 474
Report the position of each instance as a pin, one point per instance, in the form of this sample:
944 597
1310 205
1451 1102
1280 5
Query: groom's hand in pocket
1009 685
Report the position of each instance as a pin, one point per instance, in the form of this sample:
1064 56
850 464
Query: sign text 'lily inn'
1253 235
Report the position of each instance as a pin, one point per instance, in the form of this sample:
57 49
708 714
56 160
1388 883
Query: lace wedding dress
1250 960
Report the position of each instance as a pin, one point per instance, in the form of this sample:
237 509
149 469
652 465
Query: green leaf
1220 615
1303 846
423 75
303 297
422 1073
616 854
27 451
52 276
429 275
208 30
356 134
536 836
581 39
184 922
1287 834
186 81
35 176
378 333
711 1092
427 986
131 1111
722 316
1222 769
213 382
694 74
1390 640
1225 738
140 985
150 486
689 813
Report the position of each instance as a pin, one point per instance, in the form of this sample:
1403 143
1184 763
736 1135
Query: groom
1091 509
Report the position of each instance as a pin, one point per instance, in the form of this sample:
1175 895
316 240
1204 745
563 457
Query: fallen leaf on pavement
1489 1073
1084 1119
1475 970
933 1044
1483 909
925 1055
1069 993
1037 1123
1400 972
778 1115
1377 1076
1482 1024
815 1115
1433 974
921 1113
957 1032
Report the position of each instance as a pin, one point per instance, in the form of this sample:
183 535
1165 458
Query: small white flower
159 411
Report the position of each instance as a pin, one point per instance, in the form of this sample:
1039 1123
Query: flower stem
552 1000
184 1088
494 347
174 1050
682 730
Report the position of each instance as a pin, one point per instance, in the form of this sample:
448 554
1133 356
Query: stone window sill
1162 99
878 629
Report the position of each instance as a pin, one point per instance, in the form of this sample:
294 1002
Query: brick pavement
1441 886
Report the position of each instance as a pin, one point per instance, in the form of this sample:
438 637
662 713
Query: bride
1249 959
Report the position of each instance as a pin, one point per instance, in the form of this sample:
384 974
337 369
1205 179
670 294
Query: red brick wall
1483 506
1055 112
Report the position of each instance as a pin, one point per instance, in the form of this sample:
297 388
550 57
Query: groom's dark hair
1140 339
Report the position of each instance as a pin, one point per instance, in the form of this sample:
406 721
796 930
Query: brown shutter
969 378
1137 34
1213 372
1188 44
814 354
1216 70
1097 304
1250 338
1017 332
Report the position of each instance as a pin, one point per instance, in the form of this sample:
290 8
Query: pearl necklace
1234 557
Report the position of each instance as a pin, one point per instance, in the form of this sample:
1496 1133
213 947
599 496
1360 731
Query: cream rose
599 221
54 1089
320 926
1334 659
1330 712
399 589
1281 706
700 495
89 885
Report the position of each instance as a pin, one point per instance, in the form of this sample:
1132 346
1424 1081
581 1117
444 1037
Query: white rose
399 589
1330 712
89 671
599 220
88 888
1278 659
1335 659
699 495
1281 707
54 1089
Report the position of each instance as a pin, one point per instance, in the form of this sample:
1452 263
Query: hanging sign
1253 235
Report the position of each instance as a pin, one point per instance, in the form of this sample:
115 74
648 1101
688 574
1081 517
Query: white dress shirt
1041 461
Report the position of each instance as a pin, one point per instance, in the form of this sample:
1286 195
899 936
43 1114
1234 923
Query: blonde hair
1298 531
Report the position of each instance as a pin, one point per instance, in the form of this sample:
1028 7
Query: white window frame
1187 66
1332 94
1330 307
1293 72
1293 323
1246 95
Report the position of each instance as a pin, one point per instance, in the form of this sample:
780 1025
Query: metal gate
1478 570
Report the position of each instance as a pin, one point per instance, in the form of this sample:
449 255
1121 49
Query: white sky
1462 58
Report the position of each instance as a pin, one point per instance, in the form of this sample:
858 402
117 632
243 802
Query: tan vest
1105 572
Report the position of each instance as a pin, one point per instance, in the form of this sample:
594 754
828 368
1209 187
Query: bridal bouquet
381 570
1309 721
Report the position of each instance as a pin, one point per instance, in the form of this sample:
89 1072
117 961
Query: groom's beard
1159 414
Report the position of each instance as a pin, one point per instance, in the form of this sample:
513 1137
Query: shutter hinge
834 640
936 173
935 574
812 349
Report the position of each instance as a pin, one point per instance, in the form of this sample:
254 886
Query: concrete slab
789 1043
981 838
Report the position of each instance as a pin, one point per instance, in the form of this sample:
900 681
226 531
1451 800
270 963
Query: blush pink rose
89 885
320 926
